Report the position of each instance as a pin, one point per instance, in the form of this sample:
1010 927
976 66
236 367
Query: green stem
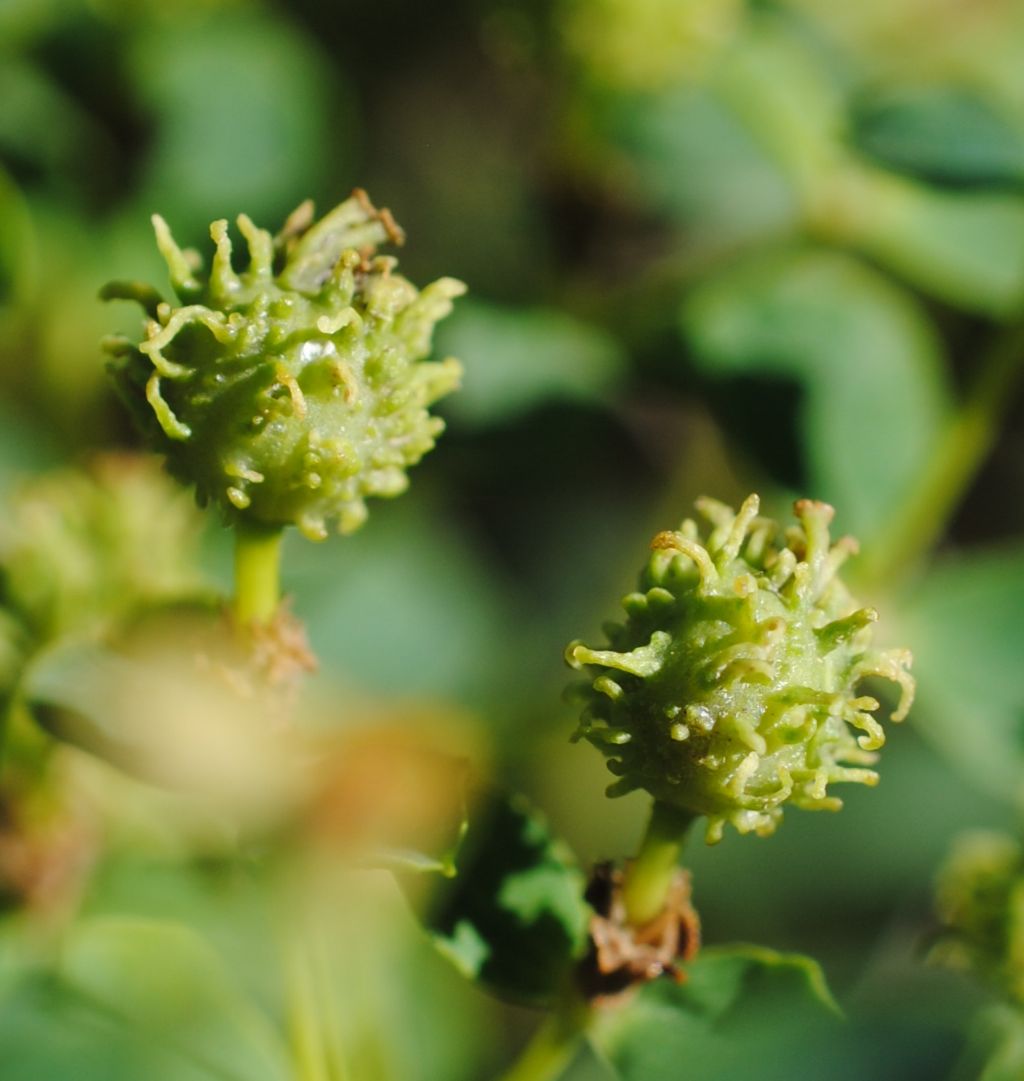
649 877
554 1045
961 453
257 574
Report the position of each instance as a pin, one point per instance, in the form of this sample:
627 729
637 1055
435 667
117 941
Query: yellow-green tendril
731 688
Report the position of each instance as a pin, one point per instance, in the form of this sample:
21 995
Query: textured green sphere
731 687
290 391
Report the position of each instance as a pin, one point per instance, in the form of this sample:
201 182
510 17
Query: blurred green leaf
407 605
995 1045
518 359
694 159
242 107
866 357
788 98
42 124
945 134
167 983
964 623
47 1033
513 917
965 248
742 1012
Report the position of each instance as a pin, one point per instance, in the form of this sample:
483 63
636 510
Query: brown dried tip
395 232
623 957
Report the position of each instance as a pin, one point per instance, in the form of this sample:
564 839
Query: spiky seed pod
732 686
980 901
290 391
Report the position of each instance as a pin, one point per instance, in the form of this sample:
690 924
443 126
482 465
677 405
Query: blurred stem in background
554 1045
969 439
312 1012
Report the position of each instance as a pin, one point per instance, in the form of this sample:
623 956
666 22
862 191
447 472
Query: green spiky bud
292 390
980 900
731 688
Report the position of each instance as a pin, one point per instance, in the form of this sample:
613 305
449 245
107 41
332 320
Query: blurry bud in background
980 902
83 548
647 44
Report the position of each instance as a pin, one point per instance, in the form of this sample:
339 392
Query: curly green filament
649 876
257 574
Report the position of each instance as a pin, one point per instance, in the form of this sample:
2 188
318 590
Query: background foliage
712 246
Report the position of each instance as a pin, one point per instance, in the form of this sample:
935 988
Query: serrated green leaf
513 917
871 367
945 134
166 982
964 624
742 1012
518 359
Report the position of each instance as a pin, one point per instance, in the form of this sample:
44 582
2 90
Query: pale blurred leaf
869 363
518 359
164 981
240 103
406 605
965 248
965 625
694 159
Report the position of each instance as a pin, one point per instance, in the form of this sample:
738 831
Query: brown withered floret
623 957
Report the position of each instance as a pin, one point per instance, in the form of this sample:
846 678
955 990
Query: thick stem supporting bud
650 875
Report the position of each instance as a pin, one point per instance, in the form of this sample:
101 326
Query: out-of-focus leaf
241 104
867 358
787 98
166 982
388 800
965 624
40 123
518 359
170 699
693 159
48 1033
513 917
404 606
743 1012
944 134
995 1046
966 248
